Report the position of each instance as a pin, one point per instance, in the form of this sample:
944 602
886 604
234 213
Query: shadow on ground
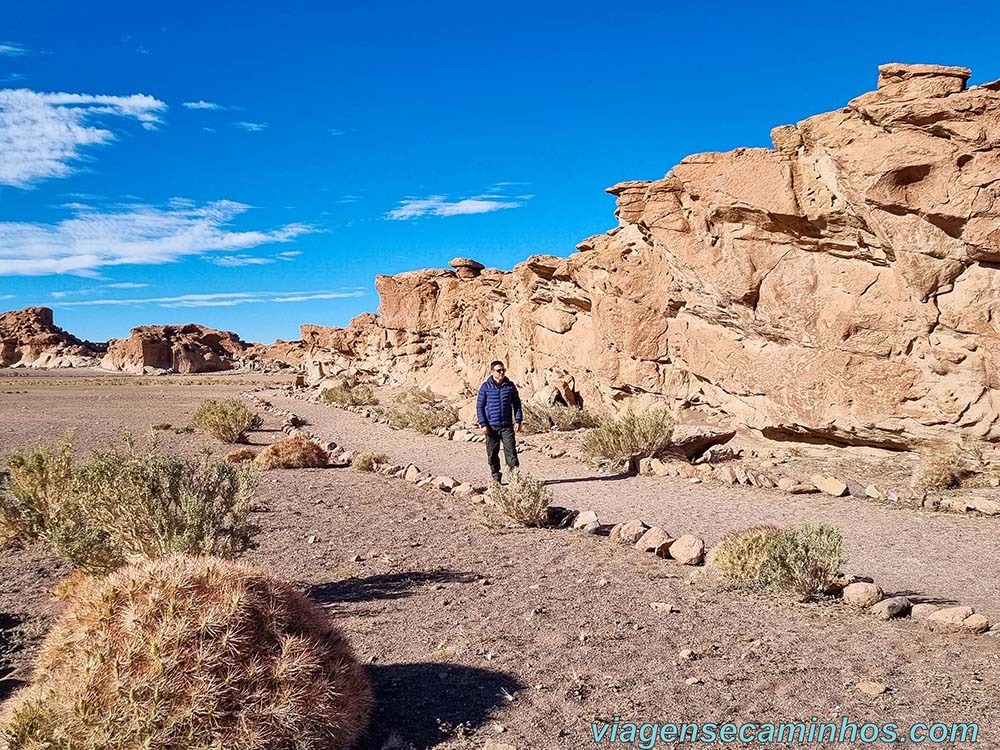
605 478
386 586
423 705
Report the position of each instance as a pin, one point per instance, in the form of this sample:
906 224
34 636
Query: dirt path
934 556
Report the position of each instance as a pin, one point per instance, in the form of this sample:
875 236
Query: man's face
498 372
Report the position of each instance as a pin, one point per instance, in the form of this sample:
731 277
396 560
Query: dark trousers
494 437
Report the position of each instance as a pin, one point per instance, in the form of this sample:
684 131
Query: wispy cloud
12 49
239 261
439 205
43 135
289 254
253 127
6 296
201 104
13 77
334 131
86 291
223 299
141 51
136 234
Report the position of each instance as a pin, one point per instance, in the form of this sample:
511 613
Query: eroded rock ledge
841 287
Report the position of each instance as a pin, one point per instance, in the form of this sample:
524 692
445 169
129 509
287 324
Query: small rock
445 484
686 654
463 490
855 489
594 527
862 595
829 485
688 550
662 468
785 484
585 518
984 506
663 607
871 688
652 539
874 492
957 620
724 474
895 606
923 611
693 681
629 532
953 505
312 539
695 480
645 465
412 472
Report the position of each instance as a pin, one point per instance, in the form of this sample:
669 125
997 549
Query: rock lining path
930 556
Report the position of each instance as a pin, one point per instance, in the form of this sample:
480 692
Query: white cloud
223 299
439 205
201 104
6 296
12 77
135 234
42 135
12 49
238 261
289 254
334 131
96 289
125 285
142 50
253 127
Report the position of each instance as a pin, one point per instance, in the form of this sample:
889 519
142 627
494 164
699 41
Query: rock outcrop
841 287
30 338
188 348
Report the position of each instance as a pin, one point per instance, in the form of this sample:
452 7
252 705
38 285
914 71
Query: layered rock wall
30 338
842 286
188 348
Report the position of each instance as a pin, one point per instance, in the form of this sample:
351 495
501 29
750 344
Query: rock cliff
840 287
30 338
190 348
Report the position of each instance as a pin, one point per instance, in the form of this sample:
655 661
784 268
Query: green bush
123 502
540 418
806 560
628 434
525 500
344 394
228 420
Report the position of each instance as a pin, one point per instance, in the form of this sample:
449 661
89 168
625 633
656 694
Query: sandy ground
475 636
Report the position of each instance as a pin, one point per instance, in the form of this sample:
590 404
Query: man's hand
486 430
517 428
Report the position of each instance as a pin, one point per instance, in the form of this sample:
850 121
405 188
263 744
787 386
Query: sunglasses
499 369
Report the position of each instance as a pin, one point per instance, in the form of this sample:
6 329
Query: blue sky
252 166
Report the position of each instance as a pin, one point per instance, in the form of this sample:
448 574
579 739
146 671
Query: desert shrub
941 470
293 453
241 455
344 394
806 560
189 652
420 410
228 420
366 461
123 502
524 500
647 434
32 495
540 418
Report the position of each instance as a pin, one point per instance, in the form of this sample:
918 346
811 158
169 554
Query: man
498 410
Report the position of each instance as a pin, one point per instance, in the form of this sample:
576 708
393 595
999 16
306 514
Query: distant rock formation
30 338
842 287
190 348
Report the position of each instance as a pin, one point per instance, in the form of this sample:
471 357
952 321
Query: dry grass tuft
241 455
123 502
162 426
293 453
228 420
942 470
345 394
421 410
806 560
367 461
190 653
540 418
628 434
525 500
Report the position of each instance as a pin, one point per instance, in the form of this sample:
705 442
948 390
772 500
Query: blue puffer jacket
495 403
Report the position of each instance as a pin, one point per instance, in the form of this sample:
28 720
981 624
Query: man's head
498 370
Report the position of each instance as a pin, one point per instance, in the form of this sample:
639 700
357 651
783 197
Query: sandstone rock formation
188 348
840 287
30 338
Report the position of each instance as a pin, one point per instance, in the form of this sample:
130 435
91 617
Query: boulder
30 338
629 532
862 594
829 485
957 620
690 441
652 539
687 550
895 606
190 348
584 519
